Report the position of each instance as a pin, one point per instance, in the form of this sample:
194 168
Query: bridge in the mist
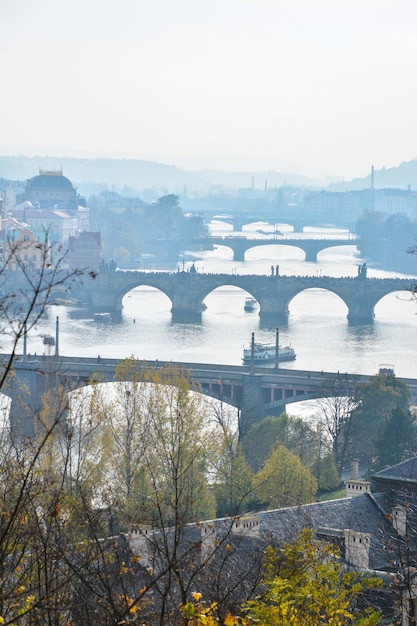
187 291
255 391
298 218
311 247
240 244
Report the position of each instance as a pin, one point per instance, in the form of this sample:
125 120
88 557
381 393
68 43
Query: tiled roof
404 472
360 513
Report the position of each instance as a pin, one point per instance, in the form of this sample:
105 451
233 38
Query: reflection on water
317 326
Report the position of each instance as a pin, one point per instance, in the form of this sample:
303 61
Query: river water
317 326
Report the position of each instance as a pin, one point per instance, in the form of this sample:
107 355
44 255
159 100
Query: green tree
395 439
305 584
284 481
309 442
153 431
234 479
294 433
334 417
375 400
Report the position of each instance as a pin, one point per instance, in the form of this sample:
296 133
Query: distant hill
399 177
133 175
85 174
151 179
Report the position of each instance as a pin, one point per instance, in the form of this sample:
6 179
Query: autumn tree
232 474
36 583
309 441
50 534
305 584
284 481
234 479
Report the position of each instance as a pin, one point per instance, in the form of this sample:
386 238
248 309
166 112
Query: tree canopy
305 584
284 481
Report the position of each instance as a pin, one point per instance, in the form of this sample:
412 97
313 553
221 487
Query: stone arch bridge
187 291
240 244
311 247
255 391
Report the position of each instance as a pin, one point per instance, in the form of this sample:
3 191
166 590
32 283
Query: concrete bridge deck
255 391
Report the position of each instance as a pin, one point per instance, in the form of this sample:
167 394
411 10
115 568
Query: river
317 326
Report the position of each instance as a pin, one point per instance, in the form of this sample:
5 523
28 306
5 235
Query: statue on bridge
362 269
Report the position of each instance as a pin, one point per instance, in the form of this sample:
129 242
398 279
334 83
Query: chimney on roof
357 548
356 486
399 519
208 541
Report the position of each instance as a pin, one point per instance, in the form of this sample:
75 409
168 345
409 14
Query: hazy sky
330 85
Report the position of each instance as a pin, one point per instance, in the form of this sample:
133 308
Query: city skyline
321 89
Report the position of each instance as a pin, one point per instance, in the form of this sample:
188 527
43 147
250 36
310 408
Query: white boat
48 340
265 353
386 369
250 304
102 318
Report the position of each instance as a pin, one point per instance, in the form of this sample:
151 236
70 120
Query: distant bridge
311 247
255 391
187 291
273 215
240 245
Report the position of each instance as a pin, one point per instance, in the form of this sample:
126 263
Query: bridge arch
323 251
239 291
157 302
396 304
124 290
330 300
282 250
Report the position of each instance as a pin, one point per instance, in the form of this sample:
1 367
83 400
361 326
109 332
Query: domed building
52 190
52 197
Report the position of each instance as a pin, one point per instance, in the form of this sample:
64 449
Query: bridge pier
26 390
274 319
238 255
180 316
187 305
251 407
298 226
360 319
311 256
361 303
274 307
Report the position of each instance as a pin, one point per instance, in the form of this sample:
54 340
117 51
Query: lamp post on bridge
277 348
57 336
24 342
252 353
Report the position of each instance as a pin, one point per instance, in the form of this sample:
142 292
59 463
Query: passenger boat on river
266 353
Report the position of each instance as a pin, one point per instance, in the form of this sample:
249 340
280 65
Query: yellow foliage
196 596
197 614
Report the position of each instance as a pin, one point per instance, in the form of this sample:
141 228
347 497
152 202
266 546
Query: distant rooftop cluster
48 204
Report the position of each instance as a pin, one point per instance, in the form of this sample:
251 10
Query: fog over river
317 327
